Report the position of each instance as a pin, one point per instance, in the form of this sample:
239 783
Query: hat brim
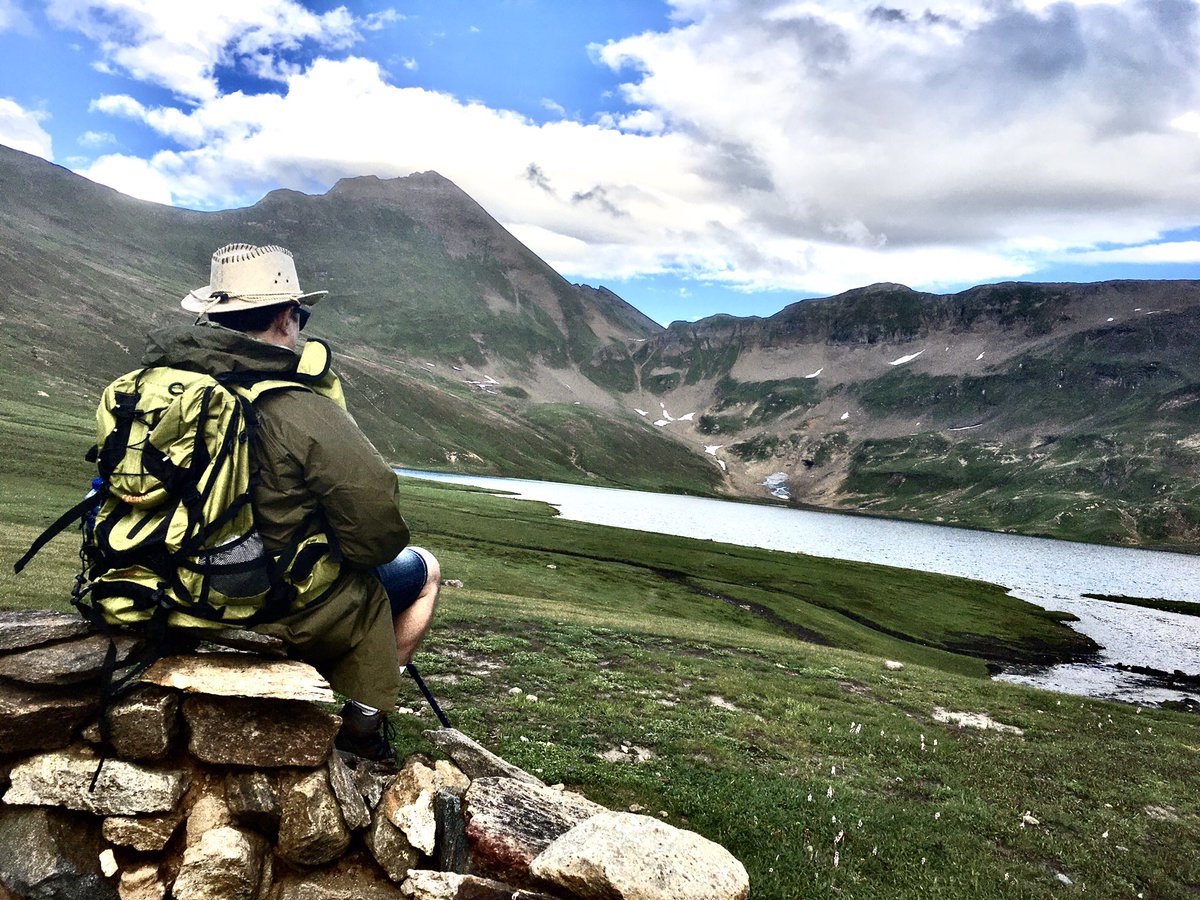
202 301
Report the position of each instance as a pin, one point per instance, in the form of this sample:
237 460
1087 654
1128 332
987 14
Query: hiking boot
367 735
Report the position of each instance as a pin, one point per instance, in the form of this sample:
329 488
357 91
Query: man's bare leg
412 624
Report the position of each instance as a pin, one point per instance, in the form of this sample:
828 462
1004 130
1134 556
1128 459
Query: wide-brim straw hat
245 277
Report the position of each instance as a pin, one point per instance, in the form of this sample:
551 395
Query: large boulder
261 733
311 829
622 856
509 822
225 864
48 853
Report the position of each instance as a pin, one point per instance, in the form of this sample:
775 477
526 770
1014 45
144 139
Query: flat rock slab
32 719
64 778
240 675
21 629
510 822
475 759
232 731
622 856
69 662
249 641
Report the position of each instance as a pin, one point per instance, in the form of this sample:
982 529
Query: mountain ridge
1059 409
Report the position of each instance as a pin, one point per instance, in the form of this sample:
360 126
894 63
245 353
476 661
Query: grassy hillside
750 692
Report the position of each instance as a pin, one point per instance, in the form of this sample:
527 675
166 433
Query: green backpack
169 534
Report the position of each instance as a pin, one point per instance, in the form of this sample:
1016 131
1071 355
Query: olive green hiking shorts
349 638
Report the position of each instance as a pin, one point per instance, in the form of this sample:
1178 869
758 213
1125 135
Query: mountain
1068 410
1061 409
457 344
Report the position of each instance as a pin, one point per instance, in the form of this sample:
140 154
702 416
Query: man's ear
280 323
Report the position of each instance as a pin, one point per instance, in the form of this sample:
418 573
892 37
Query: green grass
1183 607
787 751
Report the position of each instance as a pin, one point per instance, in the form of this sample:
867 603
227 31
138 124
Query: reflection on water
1052 574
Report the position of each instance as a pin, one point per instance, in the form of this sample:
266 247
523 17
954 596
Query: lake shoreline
1037 571
771 502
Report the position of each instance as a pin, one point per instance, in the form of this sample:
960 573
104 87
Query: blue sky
695 156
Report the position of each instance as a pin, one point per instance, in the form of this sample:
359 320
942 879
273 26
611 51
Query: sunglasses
300 314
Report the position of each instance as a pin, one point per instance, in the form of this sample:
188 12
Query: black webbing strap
74 514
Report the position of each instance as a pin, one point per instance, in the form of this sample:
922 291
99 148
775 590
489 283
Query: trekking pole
437 710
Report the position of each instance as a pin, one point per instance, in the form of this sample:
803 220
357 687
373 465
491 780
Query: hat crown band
242 270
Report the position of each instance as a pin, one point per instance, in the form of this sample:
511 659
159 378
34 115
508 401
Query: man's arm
354 485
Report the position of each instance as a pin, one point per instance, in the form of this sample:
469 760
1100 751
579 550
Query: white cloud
13 17
96 138
766 144
1169 252
22 129
130 175
179 45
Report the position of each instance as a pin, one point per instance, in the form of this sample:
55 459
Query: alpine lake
1050 573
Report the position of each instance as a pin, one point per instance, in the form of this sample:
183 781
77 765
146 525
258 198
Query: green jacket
311 456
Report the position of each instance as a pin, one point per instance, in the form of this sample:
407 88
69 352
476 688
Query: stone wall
220 781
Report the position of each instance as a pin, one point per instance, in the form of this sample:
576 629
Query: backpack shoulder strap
313 372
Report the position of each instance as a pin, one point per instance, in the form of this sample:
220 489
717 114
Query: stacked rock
219 780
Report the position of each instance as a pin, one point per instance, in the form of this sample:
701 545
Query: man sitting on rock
315 465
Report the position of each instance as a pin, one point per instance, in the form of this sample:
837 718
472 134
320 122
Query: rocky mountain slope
458 345
1060 409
